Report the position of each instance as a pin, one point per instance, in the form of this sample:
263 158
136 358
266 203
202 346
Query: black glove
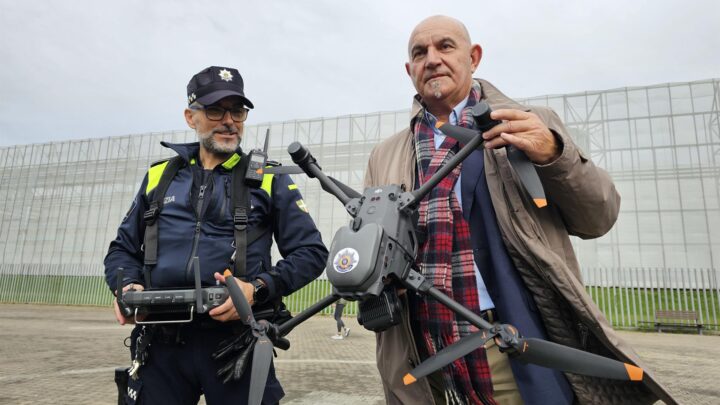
237 350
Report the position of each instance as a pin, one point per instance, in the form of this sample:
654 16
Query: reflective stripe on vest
156 172
267 183
154 175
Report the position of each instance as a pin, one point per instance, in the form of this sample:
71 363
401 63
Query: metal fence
628 297
61 202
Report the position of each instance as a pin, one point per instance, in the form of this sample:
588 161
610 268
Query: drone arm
419 283
302 157
288 326
345 188
297 170
463 153
527 350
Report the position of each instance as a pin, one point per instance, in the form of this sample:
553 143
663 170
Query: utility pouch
132 393
121 380
128 388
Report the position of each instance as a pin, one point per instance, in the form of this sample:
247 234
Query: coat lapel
473 168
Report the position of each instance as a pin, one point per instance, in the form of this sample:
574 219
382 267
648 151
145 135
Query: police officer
196 221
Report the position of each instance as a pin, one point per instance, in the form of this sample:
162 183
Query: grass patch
624 307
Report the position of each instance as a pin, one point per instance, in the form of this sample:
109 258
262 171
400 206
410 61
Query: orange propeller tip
635 373
227 273
540 202
409 379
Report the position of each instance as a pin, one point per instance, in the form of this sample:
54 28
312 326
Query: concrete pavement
66 355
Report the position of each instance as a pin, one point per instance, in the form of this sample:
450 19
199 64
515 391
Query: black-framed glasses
216 113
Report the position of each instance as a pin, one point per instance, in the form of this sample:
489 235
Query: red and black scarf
446 259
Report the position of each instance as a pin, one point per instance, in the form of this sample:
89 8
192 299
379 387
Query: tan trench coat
582 201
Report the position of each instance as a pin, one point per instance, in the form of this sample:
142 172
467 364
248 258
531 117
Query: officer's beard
220 148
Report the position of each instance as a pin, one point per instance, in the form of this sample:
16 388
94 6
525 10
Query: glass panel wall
60 203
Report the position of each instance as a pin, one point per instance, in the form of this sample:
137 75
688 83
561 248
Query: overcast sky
84 69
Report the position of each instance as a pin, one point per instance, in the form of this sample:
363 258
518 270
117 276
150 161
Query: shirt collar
454 114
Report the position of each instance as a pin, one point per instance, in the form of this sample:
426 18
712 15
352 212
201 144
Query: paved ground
66 355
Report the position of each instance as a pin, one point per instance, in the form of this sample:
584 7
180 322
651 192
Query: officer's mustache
225 128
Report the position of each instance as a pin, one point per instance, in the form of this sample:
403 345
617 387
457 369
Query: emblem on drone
346 260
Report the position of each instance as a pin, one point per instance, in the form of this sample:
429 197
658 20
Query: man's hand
226 311
526 132
122 320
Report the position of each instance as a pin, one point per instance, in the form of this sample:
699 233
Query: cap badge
226 75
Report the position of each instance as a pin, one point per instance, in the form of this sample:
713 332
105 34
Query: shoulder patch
301 204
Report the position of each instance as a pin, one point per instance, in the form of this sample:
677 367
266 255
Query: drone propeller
564 358
446 356
461 134
530 351
263 348
262 356
519 161
525 169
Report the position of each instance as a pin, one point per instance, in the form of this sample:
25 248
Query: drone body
380 241
375 254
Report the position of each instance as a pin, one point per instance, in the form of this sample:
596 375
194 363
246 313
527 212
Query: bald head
441 61
441 22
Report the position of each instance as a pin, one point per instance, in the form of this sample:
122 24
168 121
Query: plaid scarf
446 259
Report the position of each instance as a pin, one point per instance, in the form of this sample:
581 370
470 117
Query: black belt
174 333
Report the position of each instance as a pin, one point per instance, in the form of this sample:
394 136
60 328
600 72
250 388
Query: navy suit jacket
513 302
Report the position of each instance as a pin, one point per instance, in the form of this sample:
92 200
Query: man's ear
475 56
188 118
407 69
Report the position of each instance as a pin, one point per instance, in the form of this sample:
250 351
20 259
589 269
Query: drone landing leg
417 282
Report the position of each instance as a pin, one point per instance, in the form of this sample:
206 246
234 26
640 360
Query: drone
374 255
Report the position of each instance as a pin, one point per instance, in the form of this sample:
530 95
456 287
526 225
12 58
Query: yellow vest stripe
156 172
267 183
154 175
231 162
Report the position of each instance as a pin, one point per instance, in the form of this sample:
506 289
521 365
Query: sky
78 69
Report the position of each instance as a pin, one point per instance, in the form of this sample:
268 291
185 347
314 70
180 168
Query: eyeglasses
216 113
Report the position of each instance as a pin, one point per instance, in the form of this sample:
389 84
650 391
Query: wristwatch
261 291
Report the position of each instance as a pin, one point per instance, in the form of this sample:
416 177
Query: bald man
488 246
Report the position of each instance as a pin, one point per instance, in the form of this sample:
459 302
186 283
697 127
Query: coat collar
190 151
488 91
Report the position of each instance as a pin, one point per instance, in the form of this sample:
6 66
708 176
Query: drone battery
378 313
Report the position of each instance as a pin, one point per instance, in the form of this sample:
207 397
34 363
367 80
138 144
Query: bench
677 319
